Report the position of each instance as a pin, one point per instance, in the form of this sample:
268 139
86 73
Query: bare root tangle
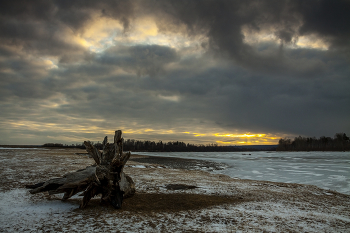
105 177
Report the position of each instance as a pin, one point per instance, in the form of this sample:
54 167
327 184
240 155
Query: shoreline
326 170
218 203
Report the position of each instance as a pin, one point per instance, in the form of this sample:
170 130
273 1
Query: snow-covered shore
218 204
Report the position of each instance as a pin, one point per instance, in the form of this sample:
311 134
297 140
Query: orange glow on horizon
246 138
239 135
77 132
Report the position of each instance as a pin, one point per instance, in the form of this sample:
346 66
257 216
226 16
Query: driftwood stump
106 177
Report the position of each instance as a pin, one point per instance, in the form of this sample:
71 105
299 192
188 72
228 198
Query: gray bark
106 177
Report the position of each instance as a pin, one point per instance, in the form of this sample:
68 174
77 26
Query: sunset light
161 72
198 115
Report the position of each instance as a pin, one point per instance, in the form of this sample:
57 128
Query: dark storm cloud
75 14
40 26
266 86
30 29
329 19
291 110
223 22
144 59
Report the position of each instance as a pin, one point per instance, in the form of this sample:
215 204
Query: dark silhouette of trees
340 142
53 145
136 145
177 146
160 146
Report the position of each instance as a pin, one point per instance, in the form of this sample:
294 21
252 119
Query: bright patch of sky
269 36
247 138
173 98
104 33
100 34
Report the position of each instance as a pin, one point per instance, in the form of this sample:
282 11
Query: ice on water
328 170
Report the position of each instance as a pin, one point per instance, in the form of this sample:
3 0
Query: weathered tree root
106 177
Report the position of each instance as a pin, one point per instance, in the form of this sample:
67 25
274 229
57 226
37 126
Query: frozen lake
328 170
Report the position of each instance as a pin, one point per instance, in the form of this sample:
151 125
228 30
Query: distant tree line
340 142
64 145
160 146
174 146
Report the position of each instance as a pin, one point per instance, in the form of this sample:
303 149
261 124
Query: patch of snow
8 148
16 207
138 166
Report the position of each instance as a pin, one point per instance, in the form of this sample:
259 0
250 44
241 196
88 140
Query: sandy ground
212 203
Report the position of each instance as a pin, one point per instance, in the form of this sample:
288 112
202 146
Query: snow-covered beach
220 203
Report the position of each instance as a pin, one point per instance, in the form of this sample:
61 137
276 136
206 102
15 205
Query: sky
224 72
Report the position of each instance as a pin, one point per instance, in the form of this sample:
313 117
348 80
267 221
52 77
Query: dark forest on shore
340 142
174 146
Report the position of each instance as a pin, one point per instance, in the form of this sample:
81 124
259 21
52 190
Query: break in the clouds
227 72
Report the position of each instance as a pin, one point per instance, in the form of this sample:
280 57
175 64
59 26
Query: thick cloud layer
195 71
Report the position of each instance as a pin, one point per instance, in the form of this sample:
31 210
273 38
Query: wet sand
179 163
